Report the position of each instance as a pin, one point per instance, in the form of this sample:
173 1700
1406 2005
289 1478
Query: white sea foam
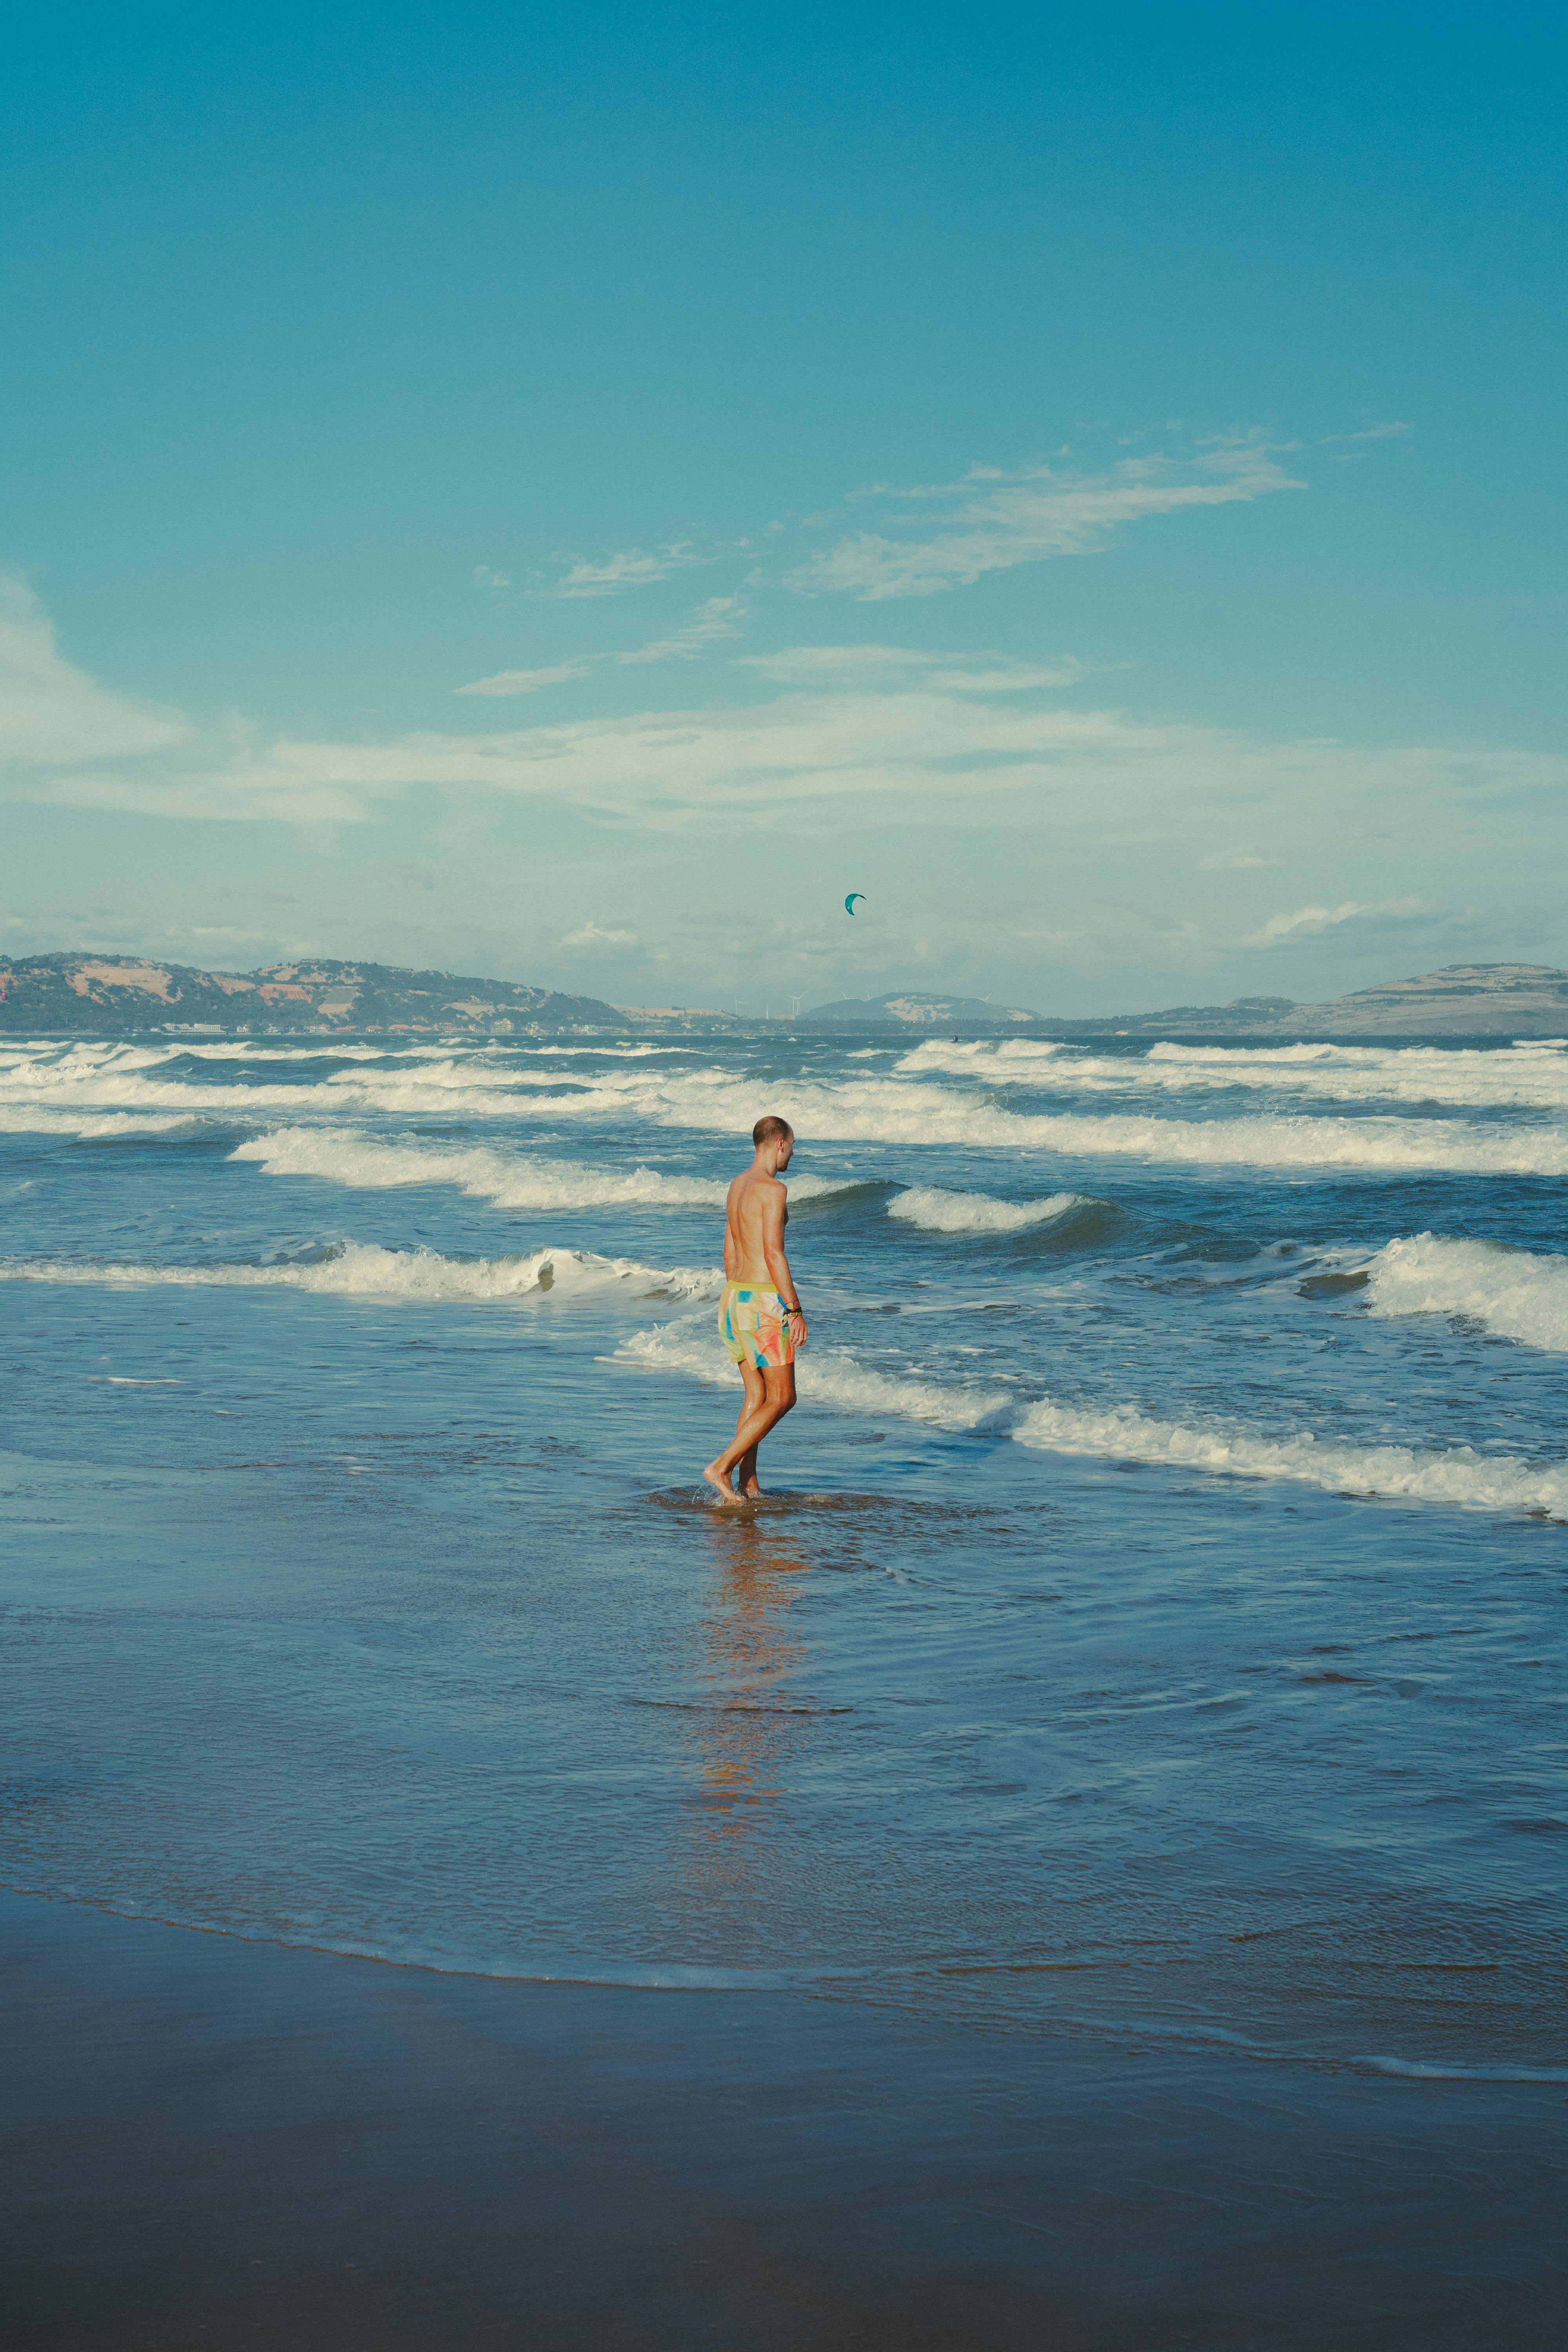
1519 1296
241 1049
691 1347
365 1270
640 1052
866 1107
1121 1433
1533 1075
345 1156
891 1109
439 1090
1009 1059
939 1212
341 1155
434 1084
45 1119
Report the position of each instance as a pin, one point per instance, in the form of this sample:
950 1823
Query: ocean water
1153 1632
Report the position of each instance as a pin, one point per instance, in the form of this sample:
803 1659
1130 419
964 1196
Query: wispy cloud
906 751
718 619
593 935
710 625
997 519
632 568
1369 433
1309 921
526 681
52 713
828 665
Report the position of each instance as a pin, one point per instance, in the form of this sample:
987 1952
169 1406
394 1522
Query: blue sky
569 496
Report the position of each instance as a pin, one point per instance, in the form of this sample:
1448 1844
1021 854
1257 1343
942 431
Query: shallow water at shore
1154 1637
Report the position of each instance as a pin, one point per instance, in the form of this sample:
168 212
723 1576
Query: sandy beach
218 2143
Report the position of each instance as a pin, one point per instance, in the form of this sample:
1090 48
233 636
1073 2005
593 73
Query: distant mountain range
1466 1000
114 995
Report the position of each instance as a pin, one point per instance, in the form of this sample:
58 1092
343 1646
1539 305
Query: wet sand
216 2143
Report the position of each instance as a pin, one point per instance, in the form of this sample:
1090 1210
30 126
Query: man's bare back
760 1319
755 1213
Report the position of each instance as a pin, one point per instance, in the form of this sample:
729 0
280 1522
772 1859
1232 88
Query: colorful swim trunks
754 1326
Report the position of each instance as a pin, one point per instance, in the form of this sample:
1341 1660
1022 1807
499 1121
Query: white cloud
1008 677
1235 861
1310 920
592 935
51 713
870 736
710 624
632 568
525 681
835 664
999 519
485 578
1371 433
872 664
914 754
713 622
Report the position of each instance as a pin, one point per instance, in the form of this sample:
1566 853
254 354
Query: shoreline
260 2145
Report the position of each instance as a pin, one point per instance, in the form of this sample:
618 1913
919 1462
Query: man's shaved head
770 1130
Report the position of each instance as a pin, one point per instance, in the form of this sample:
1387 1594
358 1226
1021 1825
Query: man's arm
774 1256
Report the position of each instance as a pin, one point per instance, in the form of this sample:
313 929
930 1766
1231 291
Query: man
760 1320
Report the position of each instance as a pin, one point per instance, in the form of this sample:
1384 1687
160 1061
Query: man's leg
746 1468
778 1398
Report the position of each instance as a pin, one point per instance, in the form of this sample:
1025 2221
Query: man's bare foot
721 1485
752 1491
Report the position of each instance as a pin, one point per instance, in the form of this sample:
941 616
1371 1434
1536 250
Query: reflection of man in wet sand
760 1319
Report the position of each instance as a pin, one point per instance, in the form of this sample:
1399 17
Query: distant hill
110 995
1465 1000
908 1010
118 995
1517 1000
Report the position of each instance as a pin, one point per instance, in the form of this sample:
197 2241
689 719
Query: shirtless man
760 1319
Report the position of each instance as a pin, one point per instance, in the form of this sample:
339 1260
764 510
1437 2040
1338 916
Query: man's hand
797 1328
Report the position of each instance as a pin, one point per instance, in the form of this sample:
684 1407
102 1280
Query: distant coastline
85 994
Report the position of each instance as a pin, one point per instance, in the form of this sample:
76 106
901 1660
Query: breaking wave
49 1122
507 1181
895 1110
365 1270
1009 1059
1528 1076
343 1156
889 1109
692 1346
939 1212
1518 1296
1122 1434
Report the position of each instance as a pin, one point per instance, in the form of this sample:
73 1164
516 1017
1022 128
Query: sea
1152 1635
